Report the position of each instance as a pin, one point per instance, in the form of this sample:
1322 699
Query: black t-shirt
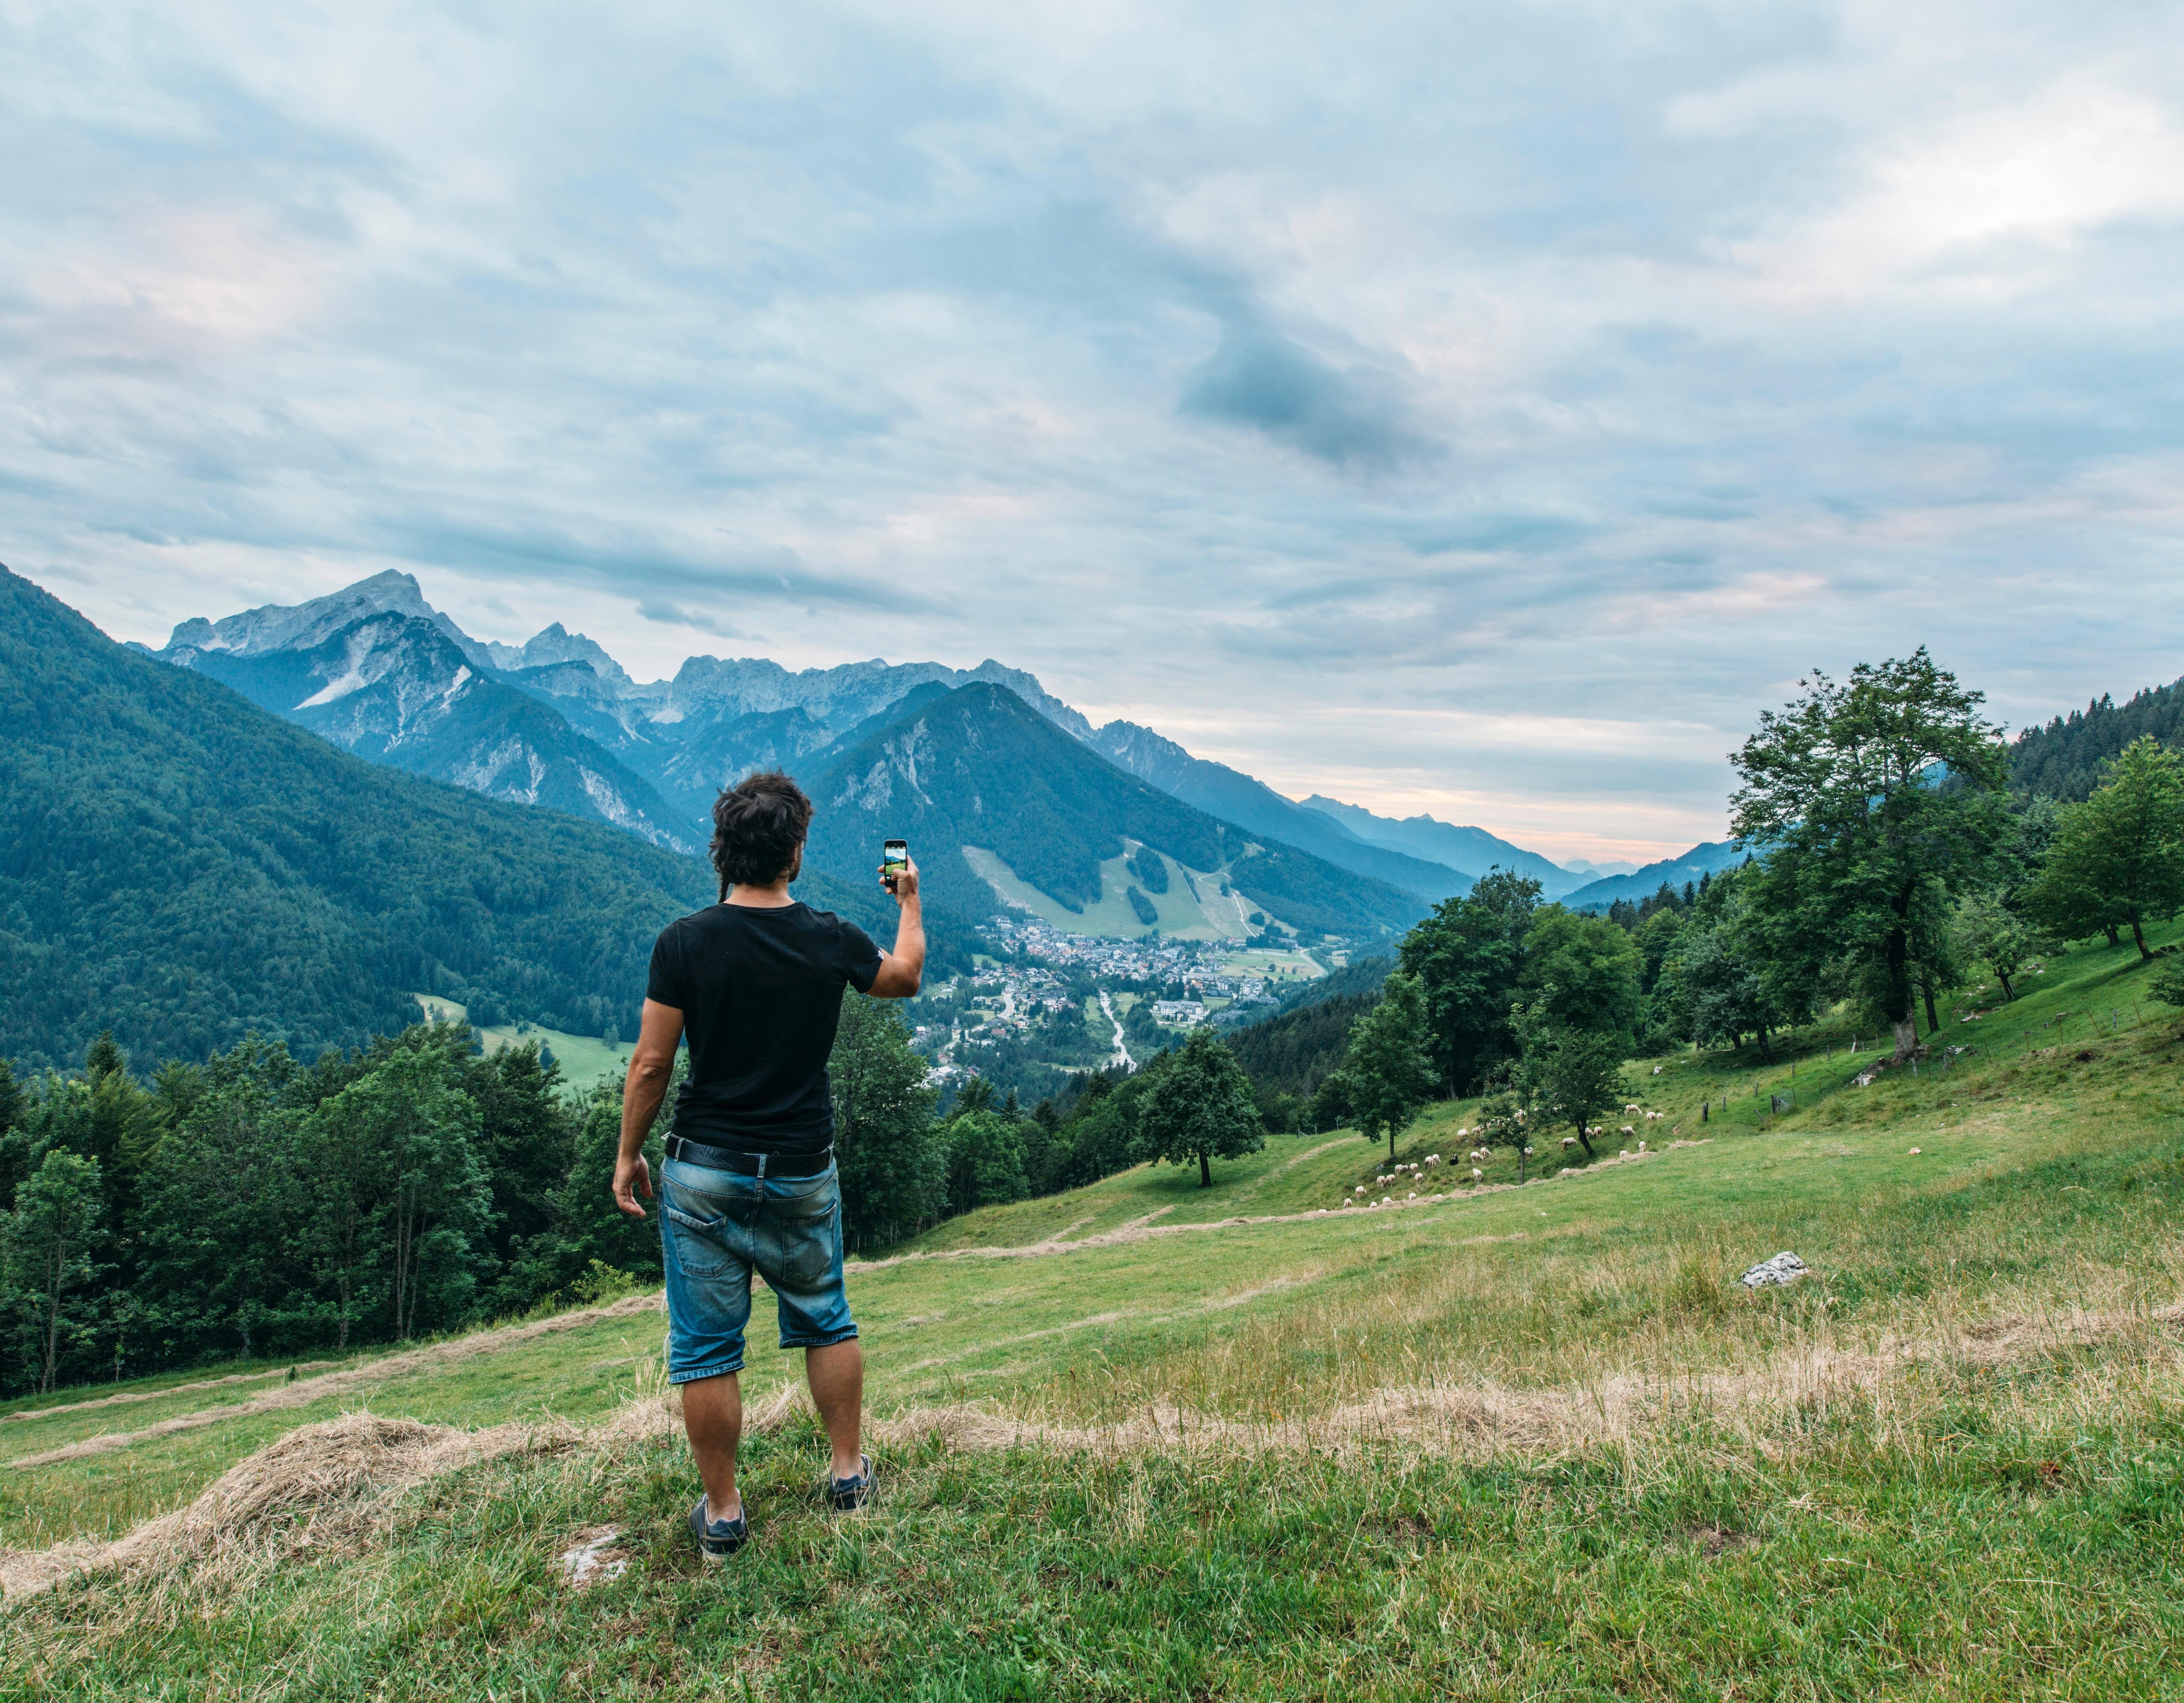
761 994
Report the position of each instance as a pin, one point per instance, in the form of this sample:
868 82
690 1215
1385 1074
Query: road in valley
1121 1051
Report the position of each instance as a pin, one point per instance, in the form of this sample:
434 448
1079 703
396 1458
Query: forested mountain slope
183 867
2062 760
1703 859
979 768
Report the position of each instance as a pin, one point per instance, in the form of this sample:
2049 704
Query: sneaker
718 1538
853 1491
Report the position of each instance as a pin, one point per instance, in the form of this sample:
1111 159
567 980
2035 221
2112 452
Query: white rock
1783 1268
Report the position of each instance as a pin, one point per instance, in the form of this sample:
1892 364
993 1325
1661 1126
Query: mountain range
557 722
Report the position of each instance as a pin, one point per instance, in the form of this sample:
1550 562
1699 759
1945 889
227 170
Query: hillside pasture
1148 1439
584 1058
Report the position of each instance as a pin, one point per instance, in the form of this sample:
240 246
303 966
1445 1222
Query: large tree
46 1270
1468 956
893 1171
1870 797
1201 1107
1387 1075
2119 857
1589 969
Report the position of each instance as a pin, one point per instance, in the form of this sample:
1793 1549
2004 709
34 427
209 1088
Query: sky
1485 410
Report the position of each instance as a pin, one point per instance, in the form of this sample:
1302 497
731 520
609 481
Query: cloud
1355 417
1561 366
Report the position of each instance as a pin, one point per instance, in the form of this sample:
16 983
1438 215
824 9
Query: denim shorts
716 1228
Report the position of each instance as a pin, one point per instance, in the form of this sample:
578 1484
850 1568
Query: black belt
752 1164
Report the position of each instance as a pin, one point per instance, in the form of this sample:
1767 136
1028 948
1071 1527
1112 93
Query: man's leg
836 1374
713 1415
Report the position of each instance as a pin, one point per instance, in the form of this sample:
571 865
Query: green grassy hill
1151 1440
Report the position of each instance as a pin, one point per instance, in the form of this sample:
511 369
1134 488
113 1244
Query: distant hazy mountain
1591 871
1701 860
394 688
1472 849
1235 796
184 867
979 769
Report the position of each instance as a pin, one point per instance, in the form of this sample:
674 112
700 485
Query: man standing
756 981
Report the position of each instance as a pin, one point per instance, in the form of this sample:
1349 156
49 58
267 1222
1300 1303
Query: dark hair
758 825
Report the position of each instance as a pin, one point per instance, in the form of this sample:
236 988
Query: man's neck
756 898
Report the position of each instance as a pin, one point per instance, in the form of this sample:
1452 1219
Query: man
756 982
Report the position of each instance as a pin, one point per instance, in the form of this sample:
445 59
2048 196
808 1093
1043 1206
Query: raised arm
902 969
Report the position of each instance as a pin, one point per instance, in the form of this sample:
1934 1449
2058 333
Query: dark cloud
1353 418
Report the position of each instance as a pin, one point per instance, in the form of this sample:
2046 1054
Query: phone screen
895 858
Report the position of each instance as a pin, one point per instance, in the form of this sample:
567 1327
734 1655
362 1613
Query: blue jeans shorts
716 1228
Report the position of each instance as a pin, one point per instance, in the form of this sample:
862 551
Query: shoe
852 1492
718 1538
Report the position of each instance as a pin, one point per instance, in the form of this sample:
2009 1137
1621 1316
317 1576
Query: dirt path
305 1391
337 1482
129 1396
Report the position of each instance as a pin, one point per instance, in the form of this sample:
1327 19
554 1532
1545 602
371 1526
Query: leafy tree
1988 932
1468 956
1201 1107
985 1161
893 1174
586 1228
1583 1077
338 1173
216 1214
1147 914
45 1260
1592 968
437 1198
1387 1075
526 1138
2117 858
1868 795
2167 984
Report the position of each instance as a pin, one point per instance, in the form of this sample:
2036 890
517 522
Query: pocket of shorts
803 1201
809 1254
705 1213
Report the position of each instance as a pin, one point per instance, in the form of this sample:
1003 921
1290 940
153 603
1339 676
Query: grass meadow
1151 1440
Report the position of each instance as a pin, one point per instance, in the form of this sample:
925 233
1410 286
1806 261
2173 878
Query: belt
788 1165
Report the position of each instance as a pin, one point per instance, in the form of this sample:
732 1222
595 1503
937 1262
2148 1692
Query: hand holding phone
895 858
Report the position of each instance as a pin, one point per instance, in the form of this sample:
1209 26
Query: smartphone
895 858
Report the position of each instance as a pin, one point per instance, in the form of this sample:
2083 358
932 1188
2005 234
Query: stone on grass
1783 1268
